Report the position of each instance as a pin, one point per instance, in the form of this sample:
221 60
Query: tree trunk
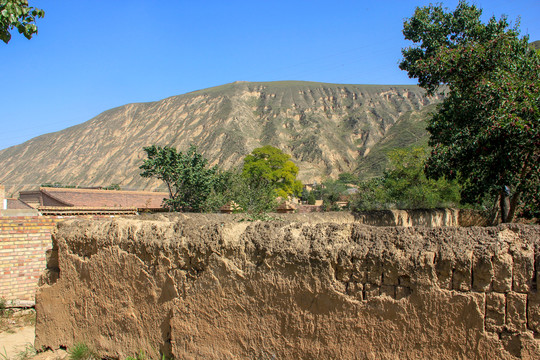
514 201
494 216
504 204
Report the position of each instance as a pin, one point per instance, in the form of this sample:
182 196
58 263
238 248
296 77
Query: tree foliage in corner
17 14
188 178
269 164
486 132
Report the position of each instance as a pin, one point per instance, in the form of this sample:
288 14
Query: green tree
348 178
331 192
254 198
17 14
269 164
372 195
408 187
187 176
405 186
311 200
304 195
317 191
486 132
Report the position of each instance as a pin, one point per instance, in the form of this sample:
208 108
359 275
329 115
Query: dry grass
11 320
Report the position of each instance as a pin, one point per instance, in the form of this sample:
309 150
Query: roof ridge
46 207
46 191
53 189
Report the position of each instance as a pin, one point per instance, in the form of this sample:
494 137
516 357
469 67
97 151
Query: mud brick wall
207 287
24 242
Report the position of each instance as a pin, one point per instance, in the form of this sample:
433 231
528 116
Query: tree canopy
270 164
17 14
404 185
187 176
486 132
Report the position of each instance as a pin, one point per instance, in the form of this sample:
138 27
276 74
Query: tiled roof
16 204
105 198
83 210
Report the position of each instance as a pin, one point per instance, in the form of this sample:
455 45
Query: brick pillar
3 201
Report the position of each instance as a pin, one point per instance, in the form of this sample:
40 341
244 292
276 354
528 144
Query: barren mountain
327 128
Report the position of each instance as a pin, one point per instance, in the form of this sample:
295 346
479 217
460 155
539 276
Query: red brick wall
24 241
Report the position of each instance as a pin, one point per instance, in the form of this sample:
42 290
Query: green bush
311 200
405 186
252 197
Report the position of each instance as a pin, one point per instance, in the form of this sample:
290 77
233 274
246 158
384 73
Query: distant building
69 201
14 207
16 204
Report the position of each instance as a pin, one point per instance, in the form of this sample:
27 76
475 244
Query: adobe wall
206 287
25 239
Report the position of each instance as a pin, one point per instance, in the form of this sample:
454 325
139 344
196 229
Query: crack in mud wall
197 286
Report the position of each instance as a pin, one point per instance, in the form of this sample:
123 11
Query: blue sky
90 56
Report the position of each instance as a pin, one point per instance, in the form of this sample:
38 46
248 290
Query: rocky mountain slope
328 129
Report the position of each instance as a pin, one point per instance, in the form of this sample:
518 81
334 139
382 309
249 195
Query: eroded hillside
327 128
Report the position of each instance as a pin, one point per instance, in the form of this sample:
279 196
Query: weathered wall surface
24 241
204 287
25 238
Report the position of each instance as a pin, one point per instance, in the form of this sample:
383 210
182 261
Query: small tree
486 132
331 192
254 198
269 164
188 178
311 200
348 178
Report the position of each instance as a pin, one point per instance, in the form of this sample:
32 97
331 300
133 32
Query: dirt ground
17 337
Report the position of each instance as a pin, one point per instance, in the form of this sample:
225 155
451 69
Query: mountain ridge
327 128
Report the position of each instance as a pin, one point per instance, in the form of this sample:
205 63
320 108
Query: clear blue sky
90 56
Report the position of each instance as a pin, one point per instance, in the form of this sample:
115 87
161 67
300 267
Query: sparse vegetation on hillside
112 187
409 131
57 184
486 132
